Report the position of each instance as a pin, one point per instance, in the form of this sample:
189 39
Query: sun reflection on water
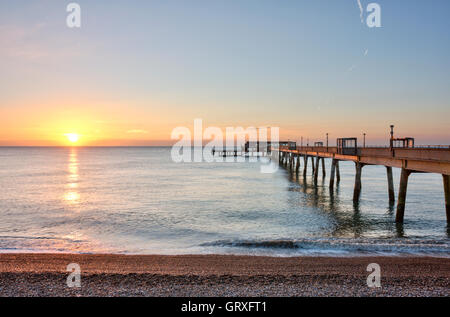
72 196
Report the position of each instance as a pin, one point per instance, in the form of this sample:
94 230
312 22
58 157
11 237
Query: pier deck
410 159
427 160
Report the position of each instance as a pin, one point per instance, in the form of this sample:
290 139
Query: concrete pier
357 188
410 158
446 179
297 167
316 169
323 168
305 165
390 184
332 173
402 195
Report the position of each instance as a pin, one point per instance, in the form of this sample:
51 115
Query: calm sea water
136 200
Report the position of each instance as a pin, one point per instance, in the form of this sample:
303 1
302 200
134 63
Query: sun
72 137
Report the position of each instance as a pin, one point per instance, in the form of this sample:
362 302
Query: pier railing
422 153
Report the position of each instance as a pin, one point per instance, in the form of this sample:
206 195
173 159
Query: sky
136 70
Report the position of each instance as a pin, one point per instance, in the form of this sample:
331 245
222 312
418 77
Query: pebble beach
220 275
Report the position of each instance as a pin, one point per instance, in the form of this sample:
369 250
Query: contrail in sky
360 10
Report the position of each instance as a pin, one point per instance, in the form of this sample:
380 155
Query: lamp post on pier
392 136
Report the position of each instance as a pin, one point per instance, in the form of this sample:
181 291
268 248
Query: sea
137 200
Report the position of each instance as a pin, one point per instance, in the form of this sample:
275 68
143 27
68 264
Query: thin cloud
137 131
351 68
34 43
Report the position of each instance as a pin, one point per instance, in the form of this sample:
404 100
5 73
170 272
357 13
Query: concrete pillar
338 173
390 184
446 179
305 165
333 171
402 195
357 188
312 165
323 167
316 169
298 164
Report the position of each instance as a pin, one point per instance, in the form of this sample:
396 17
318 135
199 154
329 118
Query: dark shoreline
29 274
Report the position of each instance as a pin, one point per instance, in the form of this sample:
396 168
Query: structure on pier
401 154
403 142
252 148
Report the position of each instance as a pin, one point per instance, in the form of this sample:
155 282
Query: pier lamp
364 140
392 136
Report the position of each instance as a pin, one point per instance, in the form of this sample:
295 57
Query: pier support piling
357 188
332 173
305 165
390 184
338 173
323 167
312 165
446 179
402 195
316 169
297 167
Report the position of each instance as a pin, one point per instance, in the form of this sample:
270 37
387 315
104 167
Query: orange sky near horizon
108 124
101 121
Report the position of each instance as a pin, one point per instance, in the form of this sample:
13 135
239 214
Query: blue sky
309 67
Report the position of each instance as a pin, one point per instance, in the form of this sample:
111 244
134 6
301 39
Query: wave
333 246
